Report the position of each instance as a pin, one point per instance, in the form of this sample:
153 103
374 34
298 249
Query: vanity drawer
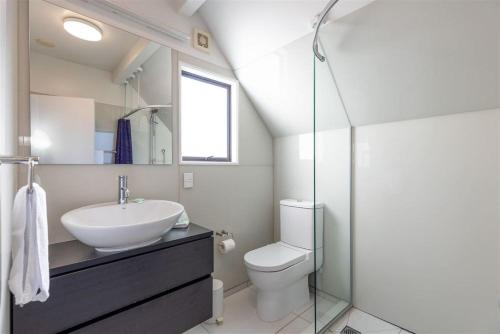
86 294
173 313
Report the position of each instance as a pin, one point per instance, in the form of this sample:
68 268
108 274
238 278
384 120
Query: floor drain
349 330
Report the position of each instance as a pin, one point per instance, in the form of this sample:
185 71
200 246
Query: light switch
188 180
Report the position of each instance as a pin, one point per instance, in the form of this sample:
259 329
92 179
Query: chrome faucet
123 191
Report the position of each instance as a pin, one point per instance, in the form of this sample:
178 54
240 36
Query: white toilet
280 271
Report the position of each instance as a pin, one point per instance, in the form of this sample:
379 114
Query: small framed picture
202 40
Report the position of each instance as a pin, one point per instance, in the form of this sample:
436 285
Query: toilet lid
273 257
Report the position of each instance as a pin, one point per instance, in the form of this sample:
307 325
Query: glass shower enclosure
332 283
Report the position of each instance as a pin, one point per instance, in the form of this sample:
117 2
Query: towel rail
4 159
21 160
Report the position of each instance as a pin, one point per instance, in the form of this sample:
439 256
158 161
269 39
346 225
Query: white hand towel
29 276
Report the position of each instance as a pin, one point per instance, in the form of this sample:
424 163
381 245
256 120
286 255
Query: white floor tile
308 330
240 317
306 306
323 306
297 326
366 323
339 325
197 330
311 301
327 309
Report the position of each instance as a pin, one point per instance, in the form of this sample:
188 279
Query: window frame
231 85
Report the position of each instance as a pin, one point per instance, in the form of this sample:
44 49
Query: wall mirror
98 94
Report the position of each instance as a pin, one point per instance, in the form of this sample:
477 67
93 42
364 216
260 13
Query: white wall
154 88
8 143
426 223
294 178
425 217
236 198
54 76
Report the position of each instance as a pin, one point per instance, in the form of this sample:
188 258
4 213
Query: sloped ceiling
392 60
281 87
249 29
400 60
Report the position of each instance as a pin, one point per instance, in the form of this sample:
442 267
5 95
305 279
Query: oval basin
112 227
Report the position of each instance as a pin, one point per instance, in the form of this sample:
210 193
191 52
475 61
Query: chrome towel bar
20 160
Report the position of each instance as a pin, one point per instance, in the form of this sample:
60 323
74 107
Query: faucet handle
123 192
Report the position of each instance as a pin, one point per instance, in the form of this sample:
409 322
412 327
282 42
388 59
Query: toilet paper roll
225 246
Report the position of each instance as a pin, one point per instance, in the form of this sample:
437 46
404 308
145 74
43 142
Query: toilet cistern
123 192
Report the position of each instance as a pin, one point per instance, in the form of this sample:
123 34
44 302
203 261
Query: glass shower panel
151 136
332 188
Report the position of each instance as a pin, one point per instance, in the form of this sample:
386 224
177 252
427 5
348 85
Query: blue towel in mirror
123 142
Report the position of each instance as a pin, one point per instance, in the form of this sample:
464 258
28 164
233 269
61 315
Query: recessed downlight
82 29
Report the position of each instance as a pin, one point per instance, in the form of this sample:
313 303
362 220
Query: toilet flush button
188 180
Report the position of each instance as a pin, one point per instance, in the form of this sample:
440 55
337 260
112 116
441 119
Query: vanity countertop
68 256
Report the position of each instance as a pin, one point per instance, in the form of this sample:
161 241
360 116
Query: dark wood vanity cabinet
162 288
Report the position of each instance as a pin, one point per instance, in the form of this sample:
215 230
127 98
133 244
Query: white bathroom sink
111 227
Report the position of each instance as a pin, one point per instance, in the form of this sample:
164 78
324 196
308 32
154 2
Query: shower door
332 188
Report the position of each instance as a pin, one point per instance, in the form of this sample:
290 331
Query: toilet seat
274 257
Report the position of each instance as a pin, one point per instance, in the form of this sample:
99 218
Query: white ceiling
249 29
401 60
392 60
280 85
46 23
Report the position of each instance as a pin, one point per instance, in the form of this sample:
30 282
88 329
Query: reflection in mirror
99 95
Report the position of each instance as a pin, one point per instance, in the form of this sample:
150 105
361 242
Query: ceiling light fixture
82 29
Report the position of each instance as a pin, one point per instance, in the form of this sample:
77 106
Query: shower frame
321 17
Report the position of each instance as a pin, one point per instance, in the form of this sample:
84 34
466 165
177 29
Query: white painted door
63 129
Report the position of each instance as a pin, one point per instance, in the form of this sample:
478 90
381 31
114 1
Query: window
208 113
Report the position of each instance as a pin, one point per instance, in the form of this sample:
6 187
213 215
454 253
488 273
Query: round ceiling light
82 29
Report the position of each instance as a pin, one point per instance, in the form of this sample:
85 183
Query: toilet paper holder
224 234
